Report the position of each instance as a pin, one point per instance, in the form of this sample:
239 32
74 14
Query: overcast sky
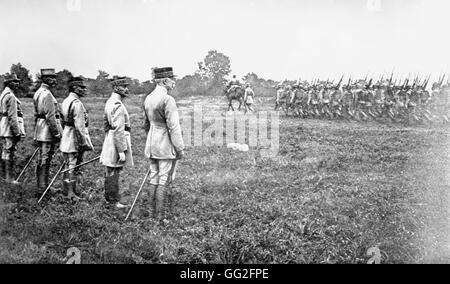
276 39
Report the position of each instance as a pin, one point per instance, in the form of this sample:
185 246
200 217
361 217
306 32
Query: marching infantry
363 100
248 97
11 126
116 152
75 138
48 128
164 144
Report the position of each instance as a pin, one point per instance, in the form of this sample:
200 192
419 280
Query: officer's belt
19 114
72 124
43 116
109 127
160 124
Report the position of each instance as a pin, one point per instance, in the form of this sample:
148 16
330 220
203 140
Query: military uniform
164 139
75 138
11 128
117 140
248 98
48 128
280 96
233 84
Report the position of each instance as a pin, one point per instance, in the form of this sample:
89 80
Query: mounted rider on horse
234 91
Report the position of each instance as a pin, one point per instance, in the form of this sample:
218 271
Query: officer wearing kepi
116 151
164 143
11 126
75 138
48 130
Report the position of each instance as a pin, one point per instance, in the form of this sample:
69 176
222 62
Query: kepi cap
77 81
162 73
48 72
11 78
119 81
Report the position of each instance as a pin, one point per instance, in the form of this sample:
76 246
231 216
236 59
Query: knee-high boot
160 202
2 169
152 198
9 170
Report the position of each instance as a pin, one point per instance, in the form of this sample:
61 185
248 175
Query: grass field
334 190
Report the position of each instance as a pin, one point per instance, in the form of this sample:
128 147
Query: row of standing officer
68 126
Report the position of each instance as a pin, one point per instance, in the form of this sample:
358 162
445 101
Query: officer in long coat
164 143
75 138
48 130
116 151
11 126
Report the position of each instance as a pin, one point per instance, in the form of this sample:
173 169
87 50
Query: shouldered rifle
442 80
340 82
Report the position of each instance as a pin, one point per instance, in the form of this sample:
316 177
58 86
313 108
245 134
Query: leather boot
109 185
66 180
152 198
11 170
46 175
76 187
72 184
112 189
160 202
39 180
2 169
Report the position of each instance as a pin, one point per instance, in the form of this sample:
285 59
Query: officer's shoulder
77 102
8 95
116 107
168 99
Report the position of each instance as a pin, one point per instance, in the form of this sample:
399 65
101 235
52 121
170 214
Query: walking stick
139 192
80 165
53 180
26 166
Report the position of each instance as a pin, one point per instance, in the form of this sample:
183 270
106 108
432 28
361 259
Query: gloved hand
122 157
86 148
57 138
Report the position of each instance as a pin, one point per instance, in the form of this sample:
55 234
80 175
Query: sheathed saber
139 192
80 165
53 180
26 166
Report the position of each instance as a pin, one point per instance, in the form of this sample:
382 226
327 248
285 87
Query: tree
62 79
25 80
1 82
261 86
190 85
135 87
214 68
148 87
101 85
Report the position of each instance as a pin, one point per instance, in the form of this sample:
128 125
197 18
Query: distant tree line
208 80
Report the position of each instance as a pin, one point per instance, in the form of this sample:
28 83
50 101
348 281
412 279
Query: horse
234 93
